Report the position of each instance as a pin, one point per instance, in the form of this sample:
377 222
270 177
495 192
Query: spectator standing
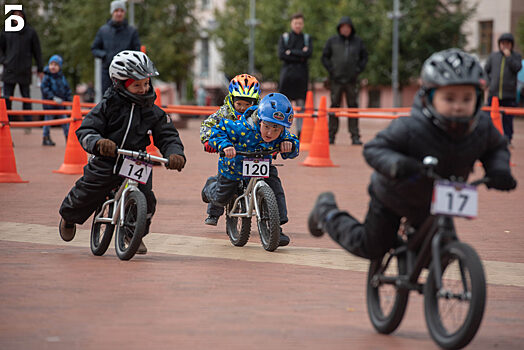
54 87
295 49
501 69
114 36
345 57
17 50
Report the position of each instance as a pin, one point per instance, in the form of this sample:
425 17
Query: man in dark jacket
446 122
294 49
114 36
17 50
344 57
504 85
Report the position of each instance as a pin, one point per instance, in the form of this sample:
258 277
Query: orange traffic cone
319 151
7 155
151 149
75 157
308 125
495 114
496 118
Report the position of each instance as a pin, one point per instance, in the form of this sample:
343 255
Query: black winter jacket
110 119
112 38
417 137
17 50
294 75
504 87
345 57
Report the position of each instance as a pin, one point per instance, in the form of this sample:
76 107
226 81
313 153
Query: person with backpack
294 49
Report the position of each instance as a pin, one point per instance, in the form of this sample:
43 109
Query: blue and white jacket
244 135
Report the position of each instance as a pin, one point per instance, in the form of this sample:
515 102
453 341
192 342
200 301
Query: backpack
286 38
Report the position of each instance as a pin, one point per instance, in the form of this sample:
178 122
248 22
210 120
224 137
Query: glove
406 167
501 180
208 148
106 147
58 100
317 218
176 162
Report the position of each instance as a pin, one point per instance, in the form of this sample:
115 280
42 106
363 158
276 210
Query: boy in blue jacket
54 87
262 127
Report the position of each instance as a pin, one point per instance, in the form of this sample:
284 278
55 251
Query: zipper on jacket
501 77
125 135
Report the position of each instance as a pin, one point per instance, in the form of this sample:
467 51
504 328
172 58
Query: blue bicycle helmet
276 108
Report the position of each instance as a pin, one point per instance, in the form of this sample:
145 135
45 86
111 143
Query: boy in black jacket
121 120
446 123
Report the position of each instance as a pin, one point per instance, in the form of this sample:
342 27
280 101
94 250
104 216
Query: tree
426 27
166 27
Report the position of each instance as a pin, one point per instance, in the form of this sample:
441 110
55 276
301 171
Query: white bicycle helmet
132 65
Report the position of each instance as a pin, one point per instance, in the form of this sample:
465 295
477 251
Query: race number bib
136 170
454 199
255 167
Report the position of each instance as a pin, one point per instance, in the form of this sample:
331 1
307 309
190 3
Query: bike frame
127 186
250 198
120 198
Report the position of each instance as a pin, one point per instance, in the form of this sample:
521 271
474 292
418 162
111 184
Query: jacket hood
508 37
346 20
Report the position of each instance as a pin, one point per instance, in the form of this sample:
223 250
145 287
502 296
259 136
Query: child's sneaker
67 230
284 239
211 220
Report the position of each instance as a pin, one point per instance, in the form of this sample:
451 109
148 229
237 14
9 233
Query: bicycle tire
135 212
385 321
100 242
238 229
472 266
269 220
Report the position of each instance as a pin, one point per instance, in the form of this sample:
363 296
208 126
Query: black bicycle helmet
132 65
451 67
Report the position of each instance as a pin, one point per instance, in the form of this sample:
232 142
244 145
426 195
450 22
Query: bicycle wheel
269 220
129 235
386 302
453 314
238 229
101 233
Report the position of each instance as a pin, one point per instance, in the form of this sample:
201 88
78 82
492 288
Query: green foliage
166 27
519 35
427 26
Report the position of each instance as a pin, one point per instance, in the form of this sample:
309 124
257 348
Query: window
204 57
485 37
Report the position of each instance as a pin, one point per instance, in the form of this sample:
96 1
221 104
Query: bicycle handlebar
142 156
256 154
431 162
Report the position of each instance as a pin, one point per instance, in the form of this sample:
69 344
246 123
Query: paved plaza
194 290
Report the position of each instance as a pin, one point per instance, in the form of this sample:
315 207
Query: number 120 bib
255 167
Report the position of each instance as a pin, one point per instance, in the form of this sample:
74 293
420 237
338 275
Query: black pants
9 90
92 188
370 239
351 92
221 191
106 80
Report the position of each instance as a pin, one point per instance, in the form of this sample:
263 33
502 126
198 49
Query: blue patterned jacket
244 135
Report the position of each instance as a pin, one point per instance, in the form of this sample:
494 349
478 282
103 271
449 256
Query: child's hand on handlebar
106 147
230 152
176 162
286 146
